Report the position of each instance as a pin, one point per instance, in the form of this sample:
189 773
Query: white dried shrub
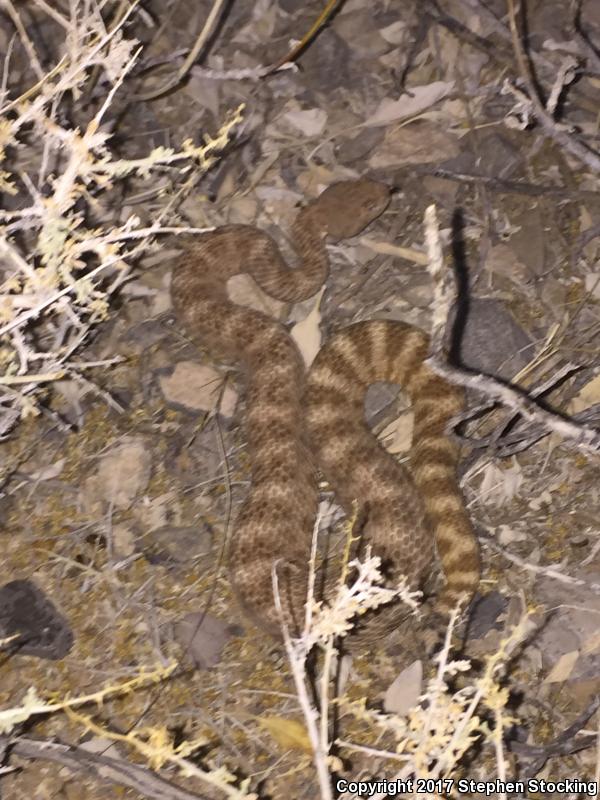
63 249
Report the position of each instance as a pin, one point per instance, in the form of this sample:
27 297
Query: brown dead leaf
417 143
408 105
591 644
309 121
307 332
394 33
242 210
397 436
592 284
563 668
261 25
288 733
500 486
311 180
588 396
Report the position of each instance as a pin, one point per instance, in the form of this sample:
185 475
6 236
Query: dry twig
546 120
201 40
584 436
114 770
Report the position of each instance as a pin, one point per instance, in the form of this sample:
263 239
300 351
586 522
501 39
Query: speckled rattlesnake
293 423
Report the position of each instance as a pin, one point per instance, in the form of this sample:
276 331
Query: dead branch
584 436
112 770
569 142
564 744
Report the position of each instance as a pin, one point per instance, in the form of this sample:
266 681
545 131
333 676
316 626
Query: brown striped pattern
288 423
406 514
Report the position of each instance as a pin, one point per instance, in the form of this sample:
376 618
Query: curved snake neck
294 424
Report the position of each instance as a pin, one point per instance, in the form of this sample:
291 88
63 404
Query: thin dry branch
563 745
112 770
321 20
297 655
252 74
590 52
546 120
553 573
201 40
583 436
59 270
27 43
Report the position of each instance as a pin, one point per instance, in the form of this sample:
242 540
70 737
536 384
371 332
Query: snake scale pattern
297 424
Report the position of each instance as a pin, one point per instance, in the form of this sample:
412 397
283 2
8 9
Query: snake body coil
294 424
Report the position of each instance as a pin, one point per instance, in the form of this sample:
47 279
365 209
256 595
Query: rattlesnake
293 423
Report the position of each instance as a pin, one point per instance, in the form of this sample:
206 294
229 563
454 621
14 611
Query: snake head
346 208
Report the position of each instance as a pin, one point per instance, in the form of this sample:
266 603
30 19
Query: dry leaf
197 387
563 667
244 291
394 33
417 143
403 694
242 210
309 121
591 645
592 284
389 249
288 733
543 499
588 396
307 332
500 486
48 472
397 436
508 535
410 104
312 180
261 25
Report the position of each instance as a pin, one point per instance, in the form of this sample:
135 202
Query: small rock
360 146
419 143
491 340
484 614
358 28
203 637
572 630
179 545
40 629
122 475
